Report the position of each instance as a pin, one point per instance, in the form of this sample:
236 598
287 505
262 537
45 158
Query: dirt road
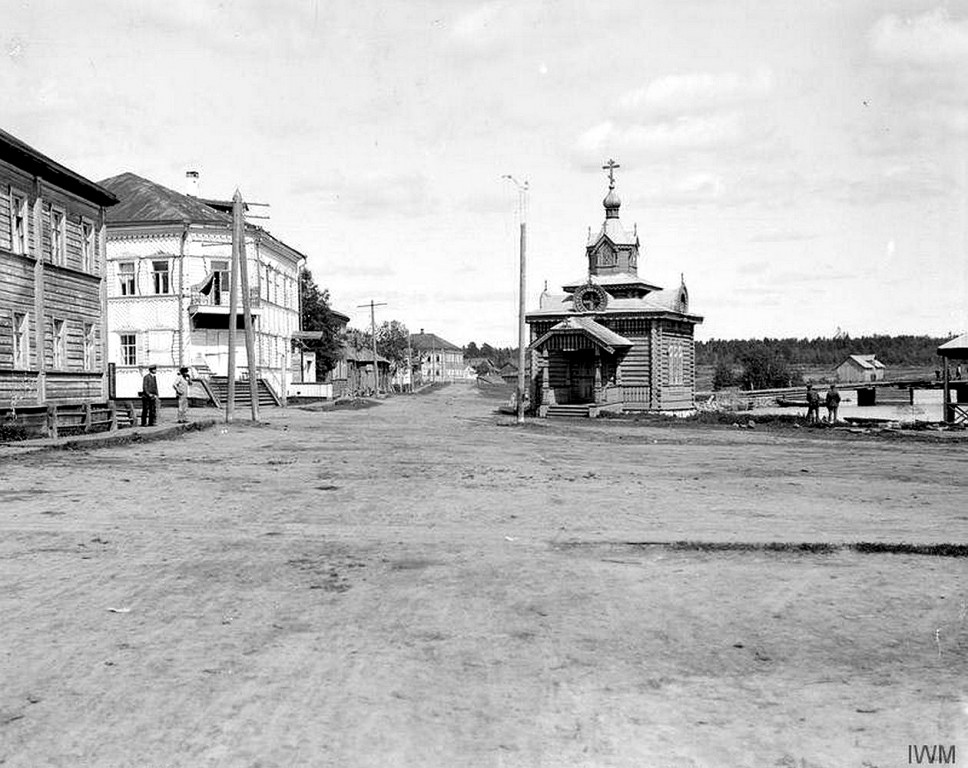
421 584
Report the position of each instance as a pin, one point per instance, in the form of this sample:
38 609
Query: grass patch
808 547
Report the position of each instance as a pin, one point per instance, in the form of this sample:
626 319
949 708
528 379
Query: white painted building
168 259
437 358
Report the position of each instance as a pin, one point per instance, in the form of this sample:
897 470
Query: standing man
181 390
813 405
149 398
832 401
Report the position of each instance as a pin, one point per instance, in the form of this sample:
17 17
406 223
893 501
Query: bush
765 369
723 376
11 432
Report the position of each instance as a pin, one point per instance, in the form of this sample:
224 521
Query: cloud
931 39
371 194
783 236
685 133
683 113
897 182
698 92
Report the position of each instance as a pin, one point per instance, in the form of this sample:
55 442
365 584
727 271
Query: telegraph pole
376 368
523 214
233 296
238 233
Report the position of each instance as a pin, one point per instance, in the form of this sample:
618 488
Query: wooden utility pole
522 212
376 368
233 296
238 236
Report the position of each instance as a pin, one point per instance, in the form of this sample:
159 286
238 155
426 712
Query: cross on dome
610 166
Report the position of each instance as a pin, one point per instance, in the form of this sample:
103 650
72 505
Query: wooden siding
17 388
676 396
49 292
64 387
635 369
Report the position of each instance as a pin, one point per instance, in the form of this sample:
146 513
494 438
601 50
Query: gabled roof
597 332
614 231
869 362
143 200
956 347
363 355
425 342
24 156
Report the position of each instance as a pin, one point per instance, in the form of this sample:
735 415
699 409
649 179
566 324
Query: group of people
151 400
831 400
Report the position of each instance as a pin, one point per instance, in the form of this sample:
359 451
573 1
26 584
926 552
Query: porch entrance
581 377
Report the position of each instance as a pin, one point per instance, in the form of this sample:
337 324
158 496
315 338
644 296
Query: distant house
860 368
354 374
509 372
52 313
438 359
477 366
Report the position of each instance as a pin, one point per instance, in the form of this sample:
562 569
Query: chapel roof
596 331
658 301
612 229
612 280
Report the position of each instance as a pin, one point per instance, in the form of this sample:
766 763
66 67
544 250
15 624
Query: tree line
766 363
392 336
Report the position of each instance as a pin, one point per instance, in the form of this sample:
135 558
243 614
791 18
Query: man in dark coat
813 405
832 401
149 398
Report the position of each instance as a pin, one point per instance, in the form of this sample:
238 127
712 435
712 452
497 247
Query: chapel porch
579 364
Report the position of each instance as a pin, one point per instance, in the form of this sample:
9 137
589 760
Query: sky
802 165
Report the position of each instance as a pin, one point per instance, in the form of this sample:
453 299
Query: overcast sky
802 163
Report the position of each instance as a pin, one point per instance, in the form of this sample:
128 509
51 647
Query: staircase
219 386
576 411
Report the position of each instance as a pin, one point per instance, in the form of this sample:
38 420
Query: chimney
191 183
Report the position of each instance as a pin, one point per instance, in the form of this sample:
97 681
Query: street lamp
522 212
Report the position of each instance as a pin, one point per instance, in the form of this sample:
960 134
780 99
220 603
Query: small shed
860 368
955 409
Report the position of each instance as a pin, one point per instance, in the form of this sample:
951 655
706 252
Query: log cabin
52 300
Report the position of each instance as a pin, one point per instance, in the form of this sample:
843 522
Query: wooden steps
573 411
219 386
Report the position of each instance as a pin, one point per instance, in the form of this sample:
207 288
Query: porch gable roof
598 333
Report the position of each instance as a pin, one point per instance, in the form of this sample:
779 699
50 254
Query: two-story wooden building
613 340
52 300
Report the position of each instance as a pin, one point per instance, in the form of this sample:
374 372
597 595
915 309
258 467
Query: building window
58 236
159 276
90 347
126 276
21 340
220 283
18 222
675 365
87 246
60 345
129 349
